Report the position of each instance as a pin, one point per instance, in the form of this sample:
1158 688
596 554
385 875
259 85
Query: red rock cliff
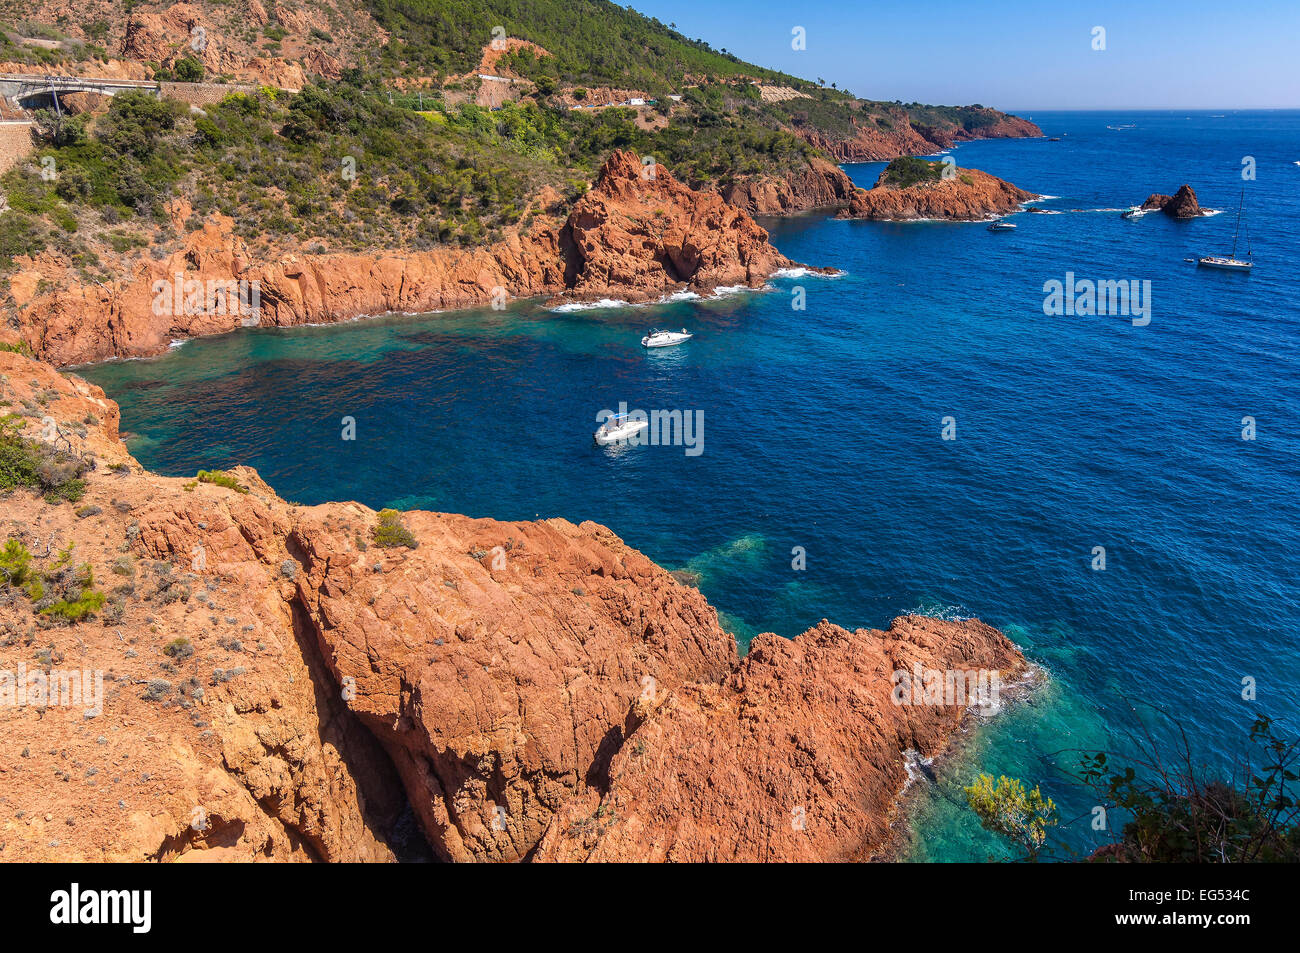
797 755
637 234
870 140
818 184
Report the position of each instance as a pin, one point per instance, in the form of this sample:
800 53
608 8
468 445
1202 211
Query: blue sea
823 429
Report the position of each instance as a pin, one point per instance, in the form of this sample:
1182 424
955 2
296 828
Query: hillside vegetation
396 147
591 42
336 166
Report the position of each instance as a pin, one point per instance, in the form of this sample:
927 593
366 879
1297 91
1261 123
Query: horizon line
1139 109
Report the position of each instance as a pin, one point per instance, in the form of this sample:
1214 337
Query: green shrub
77 608
390 532
32 463
69 491
909 170
1006 808
187 69
178 649
134 121
208 132
63 592
69 594
15 564
221 478
1179 813
1172 810
20 234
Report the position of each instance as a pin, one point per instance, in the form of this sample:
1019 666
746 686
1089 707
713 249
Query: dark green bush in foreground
1172 813
64 592
24 462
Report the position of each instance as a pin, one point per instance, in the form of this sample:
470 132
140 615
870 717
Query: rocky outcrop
998 126
1182 204
639 232
315 681
966 195
889 135
869 142
233 746
215 35
757 768
636 235
499 662
276 686
817 184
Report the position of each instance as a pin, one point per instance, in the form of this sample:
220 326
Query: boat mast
1237 230
1249 253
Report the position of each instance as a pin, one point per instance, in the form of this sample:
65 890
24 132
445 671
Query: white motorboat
1002 227
657 338
1133 211
1231 262
619 427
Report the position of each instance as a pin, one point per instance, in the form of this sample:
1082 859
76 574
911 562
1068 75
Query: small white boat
657 338
1002 227
1133 211
618 428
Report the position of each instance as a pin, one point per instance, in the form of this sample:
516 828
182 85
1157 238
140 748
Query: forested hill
454 114
591 42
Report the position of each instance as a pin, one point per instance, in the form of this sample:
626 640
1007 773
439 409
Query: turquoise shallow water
823 431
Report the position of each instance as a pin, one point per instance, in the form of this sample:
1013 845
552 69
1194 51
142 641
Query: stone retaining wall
15 143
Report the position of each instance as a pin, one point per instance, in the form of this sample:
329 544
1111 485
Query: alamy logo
947 687
1108 297
211 297
55 688
74 906
655 428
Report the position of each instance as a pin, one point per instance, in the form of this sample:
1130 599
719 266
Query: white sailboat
1231 262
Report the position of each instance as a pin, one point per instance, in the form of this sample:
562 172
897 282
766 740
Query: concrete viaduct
41 92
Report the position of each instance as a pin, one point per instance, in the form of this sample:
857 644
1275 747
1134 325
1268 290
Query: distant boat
1231 262
618 428
1001 227
1133 211
657 338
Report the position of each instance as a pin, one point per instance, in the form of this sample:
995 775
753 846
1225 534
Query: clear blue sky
1019 54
